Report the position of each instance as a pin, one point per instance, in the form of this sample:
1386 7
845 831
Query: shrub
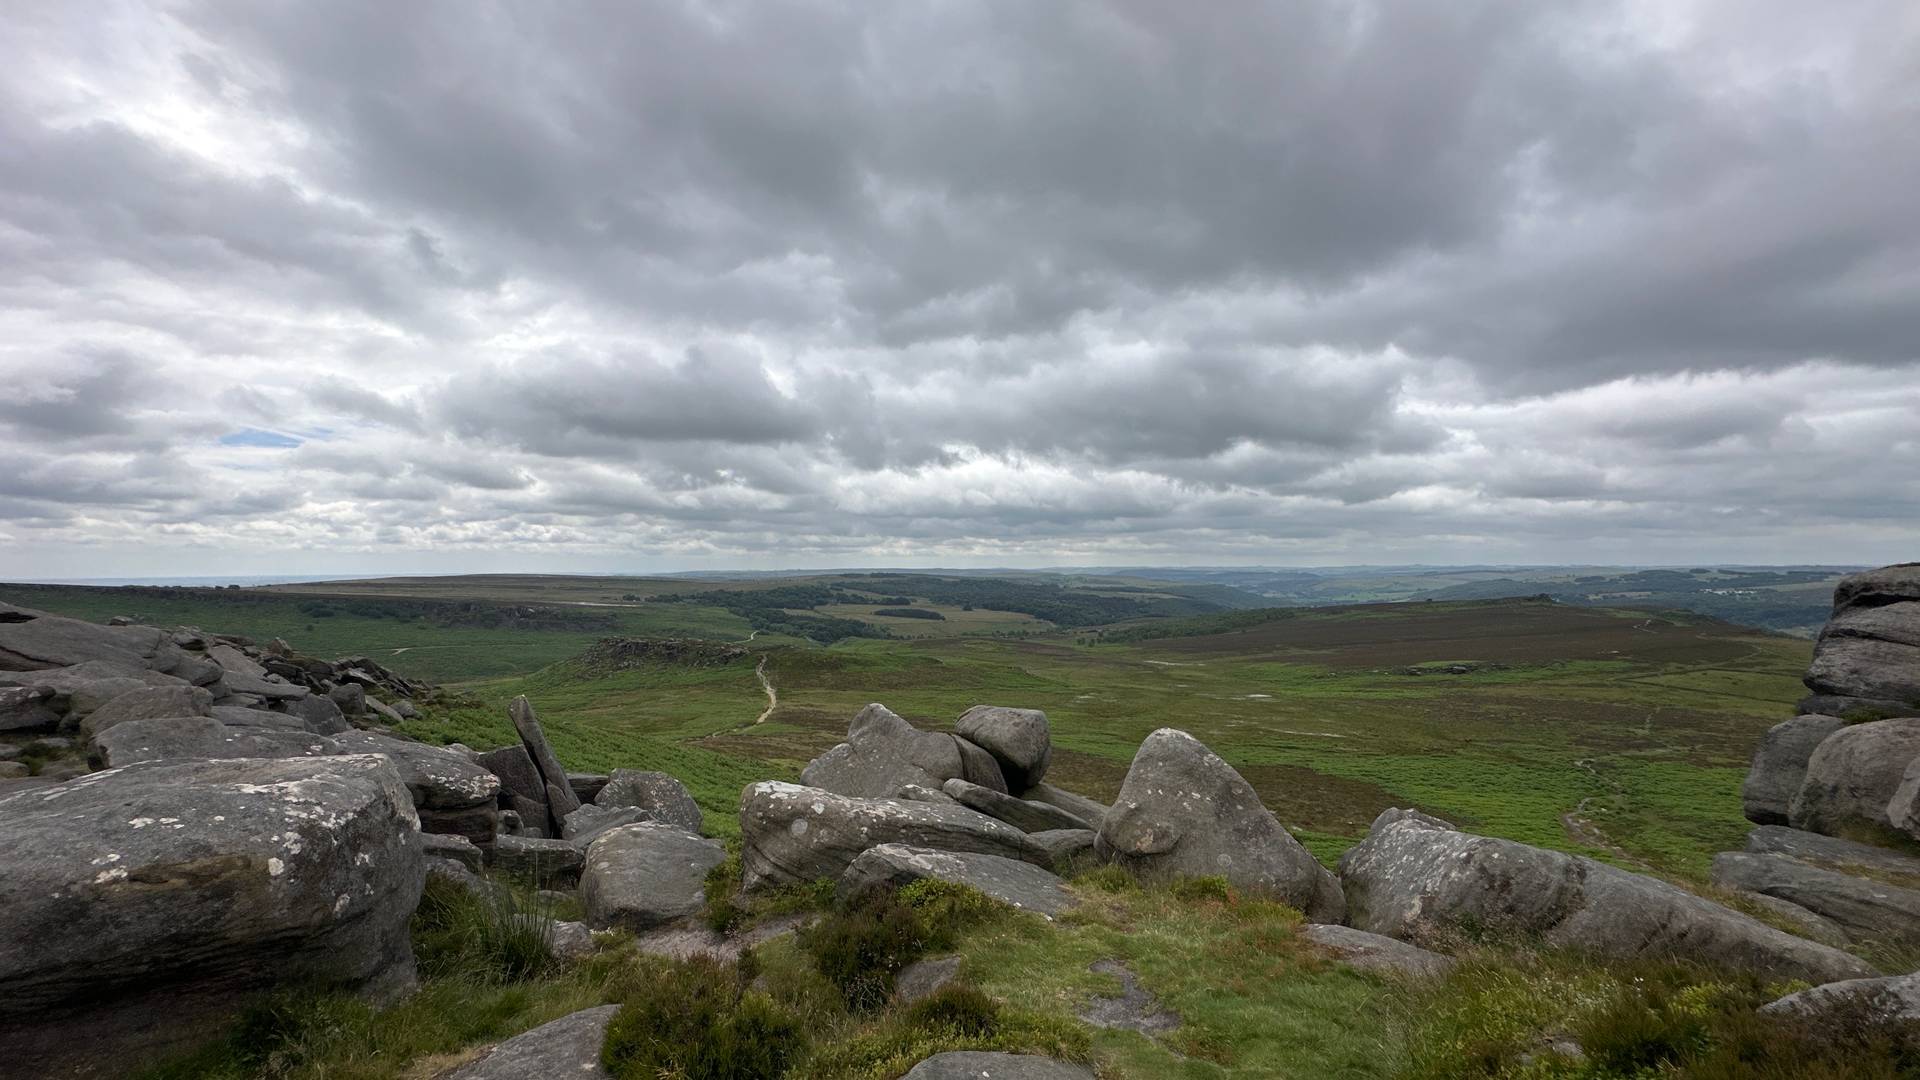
860 950
723 911
693 1021
485 938
1194 890
957 1010
947 907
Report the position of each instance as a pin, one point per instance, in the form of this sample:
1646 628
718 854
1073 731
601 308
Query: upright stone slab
1780 766
521 787
560 797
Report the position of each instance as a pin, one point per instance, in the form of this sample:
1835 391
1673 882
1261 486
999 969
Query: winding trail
773 699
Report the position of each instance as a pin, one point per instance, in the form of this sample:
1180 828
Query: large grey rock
233 661
1846 856
994 1065
1903 810
1852 776
349 698
1780 766
1424 883
1878 587
1087 810
1068 848
521 787
792 833
1020 884
560 797
82 688
142 907
1866 909
49 641
1183 812
588 822
186 738
238 717
456 848
319 713
1018 739
1870 647
1866 1002
148 703
451 793
646 875
27 708
587 786
884 753
1376 952
567 1047
660 795
924 978
270 688
1019 813
547 862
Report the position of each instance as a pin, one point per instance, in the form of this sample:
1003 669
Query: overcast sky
360 287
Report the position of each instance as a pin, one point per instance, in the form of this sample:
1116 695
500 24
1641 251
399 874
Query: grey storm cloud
619 285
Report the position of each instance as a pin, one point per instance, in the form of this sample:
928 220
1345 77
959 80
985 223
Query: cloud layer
451 286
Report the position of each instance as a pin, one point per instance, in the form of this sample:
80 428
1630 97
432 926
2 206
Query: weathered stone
27 708
570 940
1018 739
238 717
1019 884
1846 856
1135 1008
1894 999
1183 812
882 754
547 862
1798 919
1866 909
82 688
924 978
520 783
14 770
49 641
1087 810
234 661
588 822
646 875
1903 810
1365 951
1852 776
916 793
1019 813
350 698
438 778
1780 766
984 1064
1877 587
1865 667
384 711
978 767
569 1047
319 712
142 907
561 800
187 738
1413 880
660 795
148 703
792 833
1068 848
587 786
447 846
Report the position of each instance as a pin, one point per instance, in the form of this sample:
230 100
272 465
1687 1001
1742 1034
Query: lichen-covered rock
1846 856
1854 1003
1852 777
646 875
661 796
792 833
148 703
141 907
1018 739
588 822
1020 813
1365 951
1428 884
1780 766
1867 909
1183 812
883 753
560 797
1010 881
1869 651
1069 848
1087 810
546 862
569 1047
186 738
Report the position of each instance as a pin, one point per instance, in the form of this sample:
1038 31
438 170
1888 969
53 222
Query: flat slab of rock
142 907
1010 881
883 753
456 848
792 833
438 778
148 703
1780 766
567 1047
924 978
1067 847
646 875
661 796
1872 1002
1853 775
1866 909
546 862
1020 813
1087 810
1420 881
584 825
994 1065
1376 952
1183 812
1019 740
1846 856
1133 1009
187 738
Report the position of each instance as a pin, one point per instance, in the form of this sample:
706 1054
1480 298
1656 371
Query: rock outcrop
1780 766
1183 812
569 1047
1019 740
141 907
1868 655
883 753
646 875
792 833
1852 777
1419 880
1365 951
661 796
1022 814
1010 881
1870 1002
1865 908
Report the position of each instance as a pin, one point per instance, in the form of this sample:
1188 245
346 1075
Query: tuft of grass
491 938
696 1020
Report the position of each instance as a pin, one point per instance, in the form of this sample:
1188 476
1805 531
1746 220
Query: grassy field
1613 733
